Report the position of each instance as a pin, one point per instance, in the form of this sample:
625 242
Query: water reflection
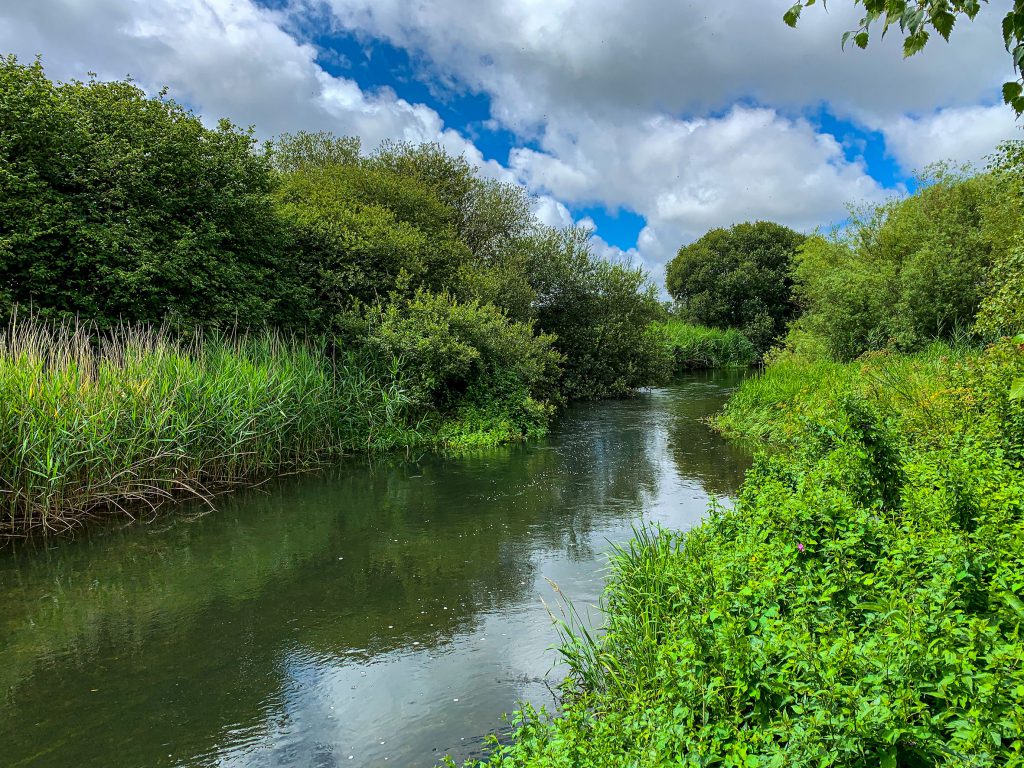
380 612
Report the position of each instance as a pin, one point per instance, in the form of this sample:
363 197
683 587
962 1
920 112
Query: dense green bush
116 205
600 313
910 271
1002 307
737 278
450 350
860 606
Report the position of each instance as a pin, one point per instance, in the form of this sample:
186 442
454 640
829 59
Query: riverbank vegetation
699 348
861 603
421 286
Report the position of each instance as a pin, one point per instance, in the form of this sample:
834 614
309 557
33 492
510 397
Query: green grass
139 418
694 347
861 605
776 405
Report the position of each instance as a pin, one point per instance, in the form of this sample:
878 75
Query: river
377 614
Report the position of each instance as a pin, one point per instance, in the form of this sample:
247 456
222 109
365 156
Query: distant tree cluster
738 278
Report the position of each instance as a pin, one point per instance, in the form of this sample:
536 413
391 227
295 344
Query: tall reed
694 347
92 424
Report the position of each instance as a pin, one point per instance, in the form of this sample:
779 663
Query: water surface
372 615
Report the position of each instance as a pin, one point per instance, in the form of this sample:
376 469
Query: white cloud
624 105
960 134
540 57
687 176
227 58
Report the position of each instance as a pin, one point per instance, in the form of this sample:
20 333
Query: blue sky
652 121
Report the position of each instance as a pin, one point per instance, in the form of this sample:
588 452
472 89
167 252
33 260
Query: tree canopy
737 278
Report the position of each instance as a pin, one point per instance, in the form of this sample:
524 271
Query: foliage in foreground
915 19
860 606
697 348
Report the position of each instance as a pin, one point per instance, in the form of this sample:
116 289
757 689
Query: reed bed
95 424
694 347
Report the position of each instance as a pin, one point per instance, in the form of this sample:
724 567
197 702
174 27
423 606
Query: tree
916 17
905 273
117 205
738 278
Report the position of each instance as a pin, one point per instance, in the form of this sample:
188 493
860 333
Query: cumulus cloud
539 57
227 58
689 113
961 134
687 176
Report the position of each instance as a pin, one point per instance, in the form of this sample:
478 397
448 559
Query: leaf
1008 25
1017 389
793 14
943 22
1011 91
861 40
888 759
914 43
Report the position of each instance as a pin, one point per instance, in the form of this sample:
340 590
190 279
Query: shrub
911 271
600 313
468 356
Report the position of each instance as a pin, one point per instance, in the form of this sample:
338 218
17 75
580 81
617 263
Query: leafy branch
917 19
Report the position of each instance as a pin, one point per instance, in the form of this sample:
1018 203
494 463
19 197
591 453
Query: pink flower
800 546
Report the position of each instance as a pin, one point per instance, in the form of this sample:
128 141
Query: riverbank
121 422
699 348
860 605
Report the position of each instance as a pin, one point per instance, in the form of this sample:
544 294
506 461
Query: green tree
601 314
738 278
915 18
907 272
117 205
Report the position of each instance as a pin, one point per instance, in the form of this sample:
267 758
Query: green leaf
1008 24
861 40
1017 389
914 43
888 759
793 14
1011 91
943 22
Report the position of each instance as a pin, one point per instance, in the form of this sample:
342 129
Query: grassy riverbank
140 417
698 348
860 606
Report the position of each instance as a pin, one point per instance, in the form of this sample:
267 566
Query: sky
651 121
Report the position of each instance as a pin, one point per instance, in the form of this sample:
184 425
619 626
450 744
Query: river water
381 614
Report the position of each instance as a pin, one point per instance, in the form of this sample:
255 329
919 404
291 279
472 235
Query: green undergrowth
860 605
696 347
120 422
794 391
